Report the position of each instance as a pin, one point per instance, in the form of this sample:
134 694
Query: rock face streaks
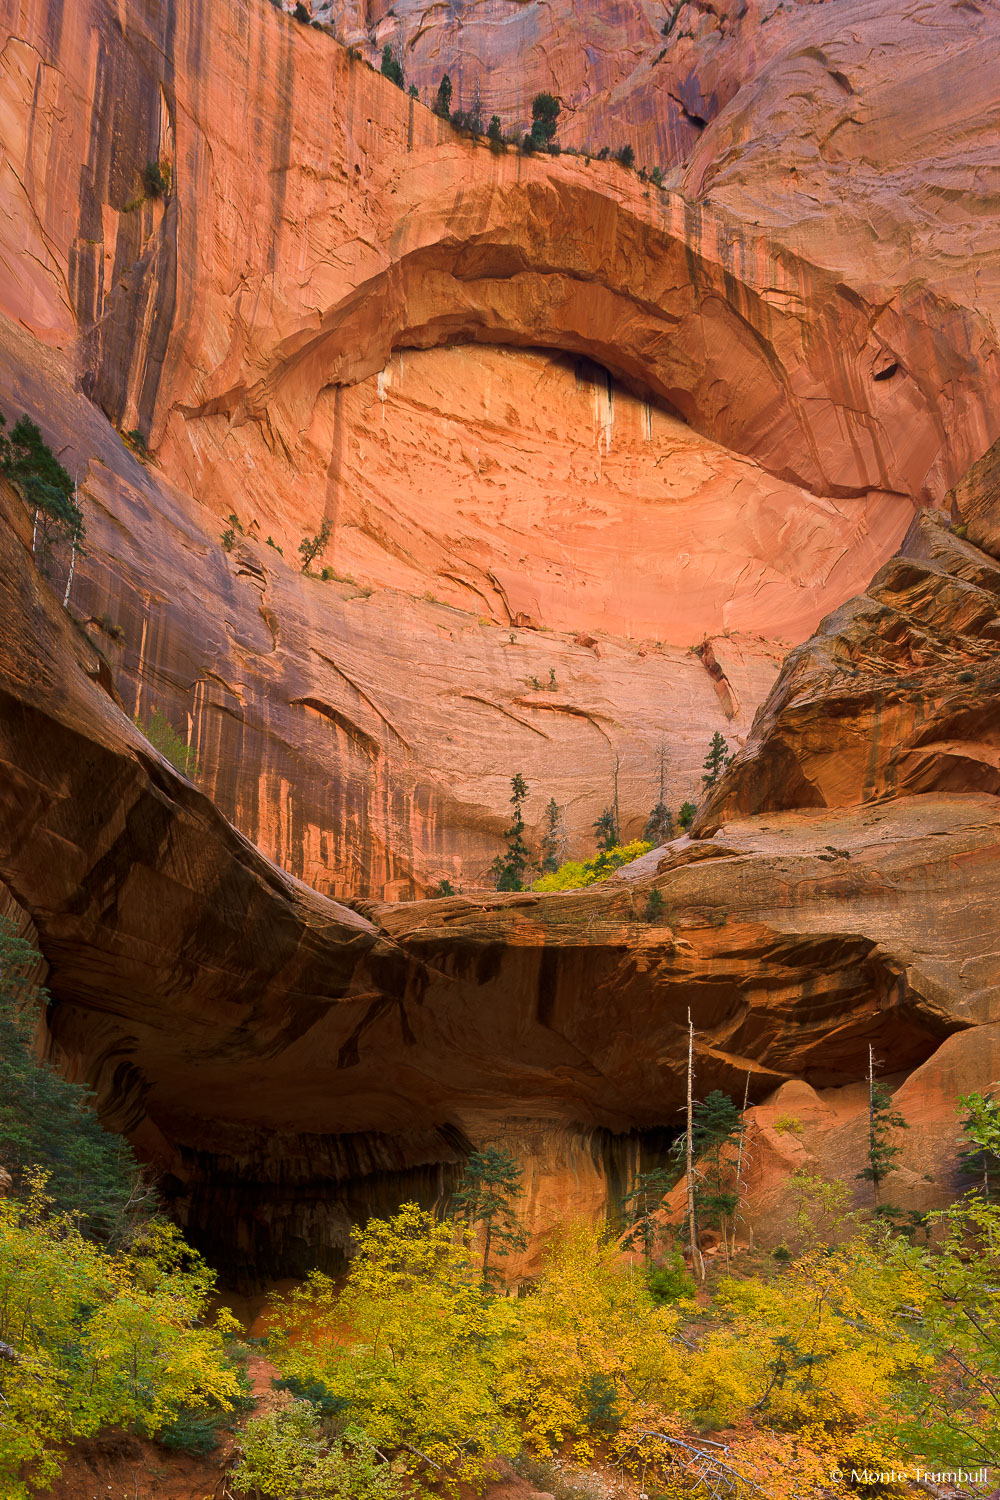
521 393
592 455
300 1063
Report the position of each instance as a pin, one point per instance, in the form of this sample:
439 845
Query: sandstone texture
522 393
289 1063
592 456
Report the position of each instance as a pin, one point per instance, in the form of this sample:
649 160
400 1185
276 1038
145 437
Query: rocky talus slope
564 427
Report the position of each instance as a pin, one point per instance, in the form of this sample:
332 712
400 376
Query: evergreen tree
883 1121
48 1124
312 547
717 1130
606 830
979 1159
391 67
626 155
474 119
442 99
48 490
660 823
716 760
550 839
483 1199
640 1207
509 869
494 133
686 816
544 120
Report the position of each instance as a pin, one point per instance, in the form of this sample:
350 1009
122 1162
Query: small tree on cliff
494 133
685 816
718 1131
312 547
884 1120
484 1199
606 830
716 760
442 99
391 67
979 1158
544 120
551 838
509 869
660 823
48 490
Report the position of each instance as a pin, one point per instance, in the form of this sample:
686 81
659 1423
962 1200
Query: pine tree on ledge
492 1181
716 760
509 869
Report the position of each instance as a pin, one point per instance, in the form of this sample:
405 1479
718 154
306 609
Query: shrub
302 12
312 547
228 539
626 156
654 906
671 1281
164 738
544 121
290 1453
156 177
787 1124
48 490
98 1339
48 1124
494 133
421 1378
576 873
391 68
685 816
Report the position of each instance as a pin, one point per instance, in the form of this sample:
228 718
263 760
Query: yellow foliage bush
576 873
573 1371
93 1339
420 1367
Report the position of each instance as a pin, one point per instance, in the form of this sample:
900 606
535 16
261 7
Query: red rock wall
298 329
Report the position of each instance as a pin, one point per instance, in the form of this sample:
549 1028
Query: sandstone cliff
564 427
705 413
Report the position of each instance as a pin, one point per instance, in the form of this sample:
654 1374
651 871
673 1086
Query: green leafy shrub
442 99
164 738
49 1125
94 1339
48 490
671 1281
686 816
787 1124
391 67
291 1452
626 156
156 177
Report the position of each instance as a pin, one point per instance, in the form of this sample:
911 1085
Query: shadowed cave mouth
254 1228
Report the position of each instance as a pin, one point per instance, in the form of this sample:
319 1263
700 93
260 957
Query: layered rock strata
702 413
